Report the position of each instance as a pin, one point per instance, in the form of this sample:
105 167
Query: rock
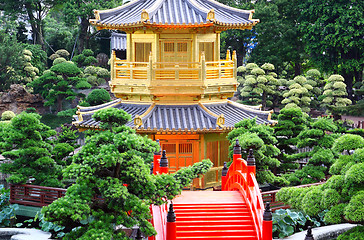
18 99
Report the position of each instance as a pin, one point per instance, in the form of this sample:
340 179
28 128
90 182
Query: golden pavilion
173 82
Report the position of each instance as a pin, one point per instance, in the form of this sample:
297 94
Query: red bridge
236 212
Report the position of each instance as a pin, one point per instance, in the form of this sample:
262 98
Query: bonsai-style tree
291 122
27 144
317 136
258 85
84 59
299 94
56 84
342 195
313 77
114 186
335 92
260 138
98 96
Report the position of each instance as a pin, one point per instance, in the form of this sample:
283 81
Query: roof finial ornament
145 15
211 15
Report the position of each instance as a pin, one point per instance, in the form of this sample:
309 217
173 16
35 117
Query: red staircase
236 212
213 215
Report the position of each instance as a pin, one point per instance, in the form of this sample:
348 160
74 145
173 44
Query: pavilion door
176 51
180 153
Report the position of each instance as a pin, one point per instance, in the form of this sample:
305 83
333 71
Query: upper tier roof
182 13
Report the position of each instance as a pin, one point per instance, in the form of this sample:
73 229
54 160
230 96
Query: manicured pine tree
342 196
258 84
114 186
291 122
316 136
298 94
27 143
56 84
335 92
260 138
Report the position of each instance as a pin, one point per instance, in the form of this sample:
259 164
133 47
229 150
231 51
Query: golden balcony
198 79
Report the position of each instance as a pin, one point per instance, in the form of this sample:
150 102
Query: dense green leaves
113 182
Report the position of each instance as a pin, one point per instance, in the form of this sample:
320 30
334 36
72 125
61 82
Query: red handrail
33 195
159 221
241 177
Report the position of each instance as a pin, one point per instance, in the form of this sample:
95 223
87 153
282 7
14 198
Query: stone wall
18 99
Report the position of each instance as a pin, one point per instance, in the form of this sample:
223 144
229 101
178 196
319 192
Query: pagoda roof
182 13
201 117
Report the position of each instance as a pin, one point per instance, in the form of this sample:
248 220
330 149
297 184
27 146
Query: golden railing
173 73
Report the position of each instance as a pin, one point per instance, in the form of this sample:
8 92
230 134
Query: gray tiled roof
118 41
174 12
177 117
234 113
196 117
132 109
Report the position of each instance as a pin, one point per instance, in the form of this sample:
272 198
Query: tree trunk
297 69
83 36
349 77
36 27
59 103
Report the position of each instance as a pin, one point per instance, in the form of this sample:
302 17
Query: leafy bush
7 115
286 222
31 110
67 113
83 85
59 60
348 142
355 233
98 96
7 211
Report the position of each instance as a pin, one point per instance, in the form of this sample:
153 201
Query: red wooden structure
36 196
236 212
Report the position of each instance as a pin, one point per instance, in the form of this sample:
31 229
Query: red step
213 215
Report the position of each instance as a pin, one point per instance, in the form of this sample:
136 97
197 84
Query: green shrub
311 202
59 60
63 53
335 182
66 68
358 155
7 211
339 165
83 85
355 175
348 142
92 80
286 222
335 214
31 110
7 115
355 233
354 211
67 113
330 197
90 70
98 96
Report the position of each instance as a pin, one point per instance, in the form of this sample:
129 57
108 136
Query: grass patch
54 121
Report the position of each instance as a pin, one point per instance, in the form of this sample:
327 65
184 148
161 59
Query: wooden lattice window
169 147
142 51
185 148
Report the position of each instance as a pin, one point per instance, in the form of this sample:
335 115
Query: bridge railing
159 221
33 195
241 176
